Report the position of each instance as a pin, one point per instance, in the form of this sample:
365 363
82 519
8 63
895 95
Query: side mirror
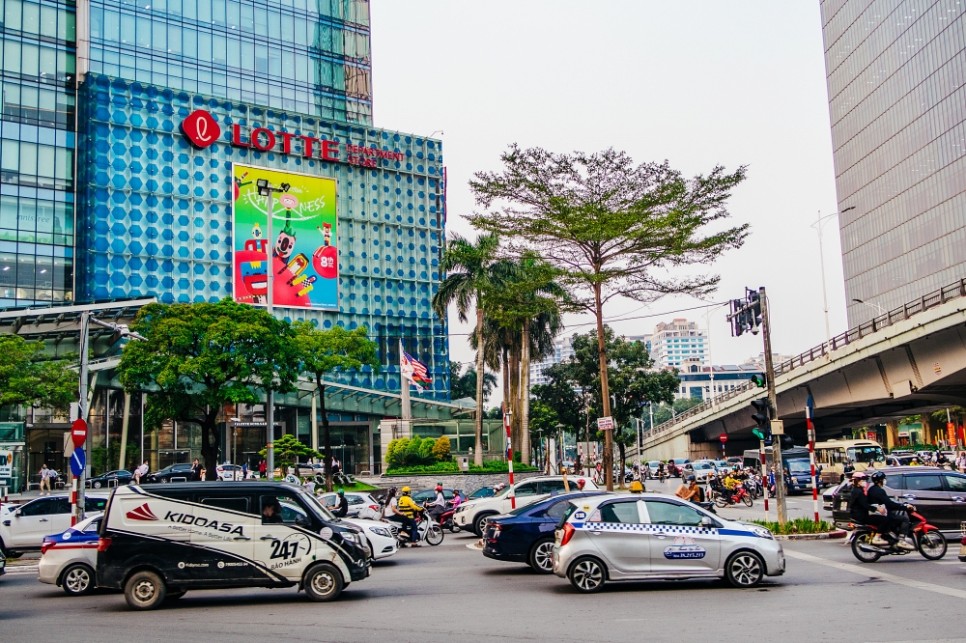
707 523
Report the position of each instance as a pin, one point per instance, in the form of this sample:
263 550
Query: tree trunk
326 435
620 475
604 390
478 453
209 446
525 395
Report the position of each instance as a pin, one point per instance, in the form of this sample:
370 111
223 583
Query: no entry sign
78 432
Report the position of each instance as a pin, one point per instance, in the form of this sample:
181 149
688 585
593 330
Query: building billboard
305 229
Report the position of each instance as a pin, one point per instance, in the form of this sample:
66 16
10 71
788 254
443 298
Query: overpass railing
922 304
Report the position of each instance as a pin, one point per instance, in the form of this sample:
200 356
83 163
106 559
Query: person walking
140 472
45 477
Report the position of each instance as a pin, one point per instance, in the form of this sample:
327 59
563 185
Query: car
630 537
111 479
939 495
828 496
701 470
473 514
178 472
229 472
679 465
525 535
652 466
361 504
487 491
421 496
381 536
68 559
24 528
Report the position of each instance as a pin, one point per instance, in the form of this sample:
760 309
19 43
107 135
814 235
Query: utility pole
780 505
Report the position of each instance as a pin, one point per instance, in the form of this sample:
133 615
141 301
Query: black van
160 541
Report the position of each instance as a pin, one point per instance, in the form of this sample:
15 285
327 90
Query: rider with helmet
898 518
438 504
404 512
861 510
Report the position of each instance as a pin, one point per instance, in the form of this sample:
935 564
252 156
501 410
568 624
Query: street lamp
266 189
819 222
877 307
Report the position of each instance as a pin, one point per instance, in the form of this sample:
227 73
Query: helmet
858 475
877 477
691 478
405 490
439 487
341 492
637 487
580 483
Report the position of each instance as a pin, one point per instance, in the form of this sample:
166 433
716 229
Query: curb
828 535
14 570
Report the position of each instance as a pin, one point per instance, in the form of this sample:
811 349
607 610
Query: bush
417 452
451 466
441 449
797 526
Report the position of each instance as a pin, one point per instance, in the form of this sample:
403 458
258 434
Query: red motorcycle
741 494
928 539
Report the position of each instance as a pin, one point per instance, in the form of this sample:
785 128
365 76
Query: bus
832 456
795 461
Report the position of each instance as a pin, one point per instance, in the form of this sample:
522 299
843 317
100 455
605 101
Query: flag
413 370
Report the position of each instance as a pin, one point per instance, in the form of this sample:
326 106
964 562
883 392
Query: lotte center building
133 137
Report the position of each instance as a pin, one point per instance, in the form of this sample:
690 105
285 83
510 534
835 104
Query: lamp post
266 189
819 222
879 309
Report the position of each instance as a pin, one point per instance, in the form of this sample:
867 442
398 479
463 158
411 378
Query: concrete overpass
907 361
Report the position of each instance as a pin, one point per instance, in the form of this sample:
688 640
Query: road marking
867 571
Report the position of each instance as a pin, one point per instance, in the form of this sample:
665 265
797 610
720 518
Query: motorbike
446 520
428 529
753 485
928 539
723 499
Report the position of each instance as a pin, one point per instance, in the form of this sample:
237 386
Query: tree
329 351
612 227
288 451
468 269
464 384
199 357
27 377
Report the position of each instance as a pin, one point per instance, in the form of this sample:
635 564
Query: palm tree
468 269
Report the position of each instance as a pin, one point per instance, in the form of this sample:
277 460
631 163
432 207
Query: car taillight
494 531
103 544
568 533
374 507
45 547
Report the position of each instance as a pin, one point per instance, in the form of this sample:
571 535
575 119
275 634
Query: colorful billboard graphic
305 254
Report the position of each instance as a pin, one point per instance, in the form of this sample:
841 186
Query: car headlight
381 531
761 532
351 537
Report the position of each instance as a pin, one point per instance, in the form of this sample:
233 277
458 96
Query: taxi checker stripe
646 527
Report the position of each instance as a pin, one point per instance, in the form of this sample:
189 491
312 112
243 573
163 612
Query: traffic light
758 380
753 319
762 416
737 318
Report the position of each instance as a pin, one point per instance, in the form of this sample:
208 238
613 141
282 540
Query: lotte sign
78 432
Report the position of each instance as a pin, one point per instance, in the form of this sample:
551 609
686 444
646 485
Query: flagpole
407 411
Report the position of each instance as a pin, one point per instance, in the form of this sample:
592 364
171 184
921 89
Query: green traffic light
758 434
758 380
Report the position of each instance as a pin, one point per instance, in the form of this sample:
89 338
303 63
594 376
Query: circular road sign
78 432
724 438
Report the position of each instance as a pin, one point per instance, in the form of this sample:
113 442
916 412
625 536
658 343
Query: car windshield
319 508
799 466
866 454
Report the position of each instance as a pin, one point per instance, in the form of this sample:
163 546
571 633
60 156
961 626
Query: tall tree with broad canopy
468 267
199 357
463 383
330 351
28 377
614 228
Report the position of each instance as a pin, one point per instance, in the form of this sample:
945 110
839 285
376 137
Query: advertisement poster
305 256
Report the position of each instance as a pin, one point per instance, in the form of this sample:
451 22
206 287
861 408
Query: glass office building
133 134
897 99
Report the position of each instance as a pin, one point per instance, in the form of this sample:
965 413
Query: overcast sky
696 82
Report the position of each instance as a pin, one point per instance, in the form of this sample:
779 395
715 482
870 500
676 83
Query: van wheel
323 582
78 580
144 590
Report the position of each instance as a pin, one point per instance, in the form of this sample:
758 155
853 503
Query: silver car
635 537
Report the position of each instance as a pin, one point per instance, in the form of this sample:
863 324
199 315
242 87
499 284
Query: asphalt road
452 593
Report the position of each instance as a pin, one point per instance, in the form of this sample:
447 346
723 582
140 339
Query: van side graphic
142 513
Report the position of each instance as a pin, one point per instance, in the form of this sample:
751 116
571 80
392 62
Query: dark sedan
939 495
180 472
525 535
111 479
422 496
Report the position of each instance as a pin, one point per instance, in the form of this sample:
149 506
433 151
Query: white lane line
867 571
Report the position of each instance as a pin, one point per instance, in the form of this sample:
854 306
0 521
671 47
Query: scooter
928 539
428 529
446 521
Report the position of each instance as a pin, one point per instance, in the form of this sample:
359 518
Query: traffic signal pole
780 505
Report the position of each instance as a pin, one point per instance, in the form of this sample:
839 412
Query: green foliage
451 466
416 451
289 450
441 448
463 384
26 377
796 526
104 459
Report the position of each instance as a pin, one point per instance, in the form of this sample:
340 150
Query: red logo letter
200 128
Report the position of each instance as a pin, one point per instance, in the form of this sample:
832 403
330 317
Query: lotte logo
200 128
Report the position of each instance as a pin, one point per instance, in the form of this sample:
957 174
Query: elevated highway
906 361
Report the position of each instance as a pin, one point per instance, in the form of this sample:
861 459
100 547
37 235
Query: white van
159 541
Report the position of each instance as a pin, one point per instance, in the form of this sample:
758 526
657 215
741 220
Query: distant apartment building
699 381
563 350
679 341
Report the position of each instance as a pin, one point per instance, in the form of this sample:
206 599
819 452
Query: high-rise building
563 349
132 139
675 342
897 99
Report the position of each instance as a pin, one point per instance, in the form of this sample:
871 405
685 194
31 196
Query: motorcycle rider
404 511
438 504
862 511
689 490
898 518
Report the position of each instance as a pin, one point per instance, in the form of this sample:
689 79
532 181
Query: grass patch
451 466
797 526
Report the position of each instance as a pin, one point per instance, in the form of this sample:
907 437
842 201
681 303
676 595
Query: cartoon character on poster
299 216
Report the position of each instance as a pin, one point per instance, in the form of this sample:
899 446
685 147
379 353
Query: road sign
724 438
77 461
605 423
78 432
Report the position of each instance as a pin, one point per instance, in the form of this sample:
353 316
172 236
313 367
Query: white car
69 559
24 528
473 514
361 504
701 470
380 536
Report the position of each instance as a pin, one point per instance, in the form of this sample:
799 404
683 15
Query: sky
697 82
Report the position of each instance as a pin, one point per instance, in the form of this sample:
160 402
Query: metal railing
922 304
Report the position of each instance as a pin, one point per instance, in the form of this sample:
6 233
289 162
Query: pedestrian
262 468
244 471
45 478
196 471
140 472
961 462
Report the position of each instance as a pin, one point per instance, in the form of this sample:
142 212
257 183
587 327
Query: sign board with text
605 423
